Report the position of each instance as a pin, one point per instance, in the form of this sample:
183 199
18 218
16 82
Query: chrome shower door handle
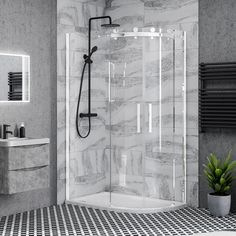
150 118
138 118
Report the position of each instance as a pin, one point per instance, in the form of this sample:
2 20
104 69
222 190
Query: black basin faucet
5 131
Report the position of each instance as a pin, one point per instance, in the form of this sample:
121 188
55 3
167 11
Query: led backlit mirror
14 78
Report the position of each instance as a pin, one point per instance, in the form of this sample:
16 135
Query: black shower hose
78 104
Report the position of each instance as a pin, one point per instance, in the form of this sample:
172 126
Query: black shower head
110 25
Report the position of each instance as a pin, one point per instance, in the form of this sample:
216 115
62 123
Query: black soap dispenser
22 130
16 132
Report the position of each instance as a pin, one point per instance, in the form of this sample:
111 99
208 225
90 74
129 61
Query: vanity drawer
26 180
27 156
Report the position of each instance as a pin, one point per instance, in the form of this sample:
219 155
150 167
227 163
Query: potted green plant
219 173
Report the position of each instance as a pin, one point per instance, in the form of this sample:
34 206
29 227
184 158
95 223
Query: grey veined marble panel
88 172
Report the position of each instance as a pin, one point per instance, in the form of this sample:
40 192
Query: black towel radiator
217 96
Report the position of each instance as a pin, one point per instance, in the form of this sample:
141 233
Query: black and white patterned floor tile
69 219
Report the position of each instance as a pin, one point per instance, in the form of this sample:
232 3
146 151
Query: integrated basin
14 141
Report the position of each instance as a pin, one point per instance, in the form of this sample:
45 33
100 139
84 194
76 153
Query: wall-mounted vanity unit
24 165
14 77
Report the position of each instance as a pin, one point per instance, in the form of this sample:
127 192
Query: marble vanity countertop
14 142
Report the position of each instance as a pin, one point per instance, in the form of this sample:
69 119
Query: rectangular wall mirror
14 78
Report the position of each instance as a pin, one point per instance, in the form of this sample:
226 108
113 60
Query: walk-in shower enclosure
135 156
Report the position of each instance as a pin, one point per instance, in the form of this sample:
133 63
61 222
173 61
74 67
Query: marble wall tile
61 166
101 39
192 191
171 114
126 171
124 46
68 13
128 15
61 62
86 166
127 138
61 85
123 113
78 41
126 89
61 35
192 90
61 127
97 140
88 172
159 172
192 149
168 145
172 169
191 29
118 3
79 190
167 12
96 107
76 63
158 187
95 2
125 161
77 13
192 63
192 115
61 111
61 191
99 89
133 186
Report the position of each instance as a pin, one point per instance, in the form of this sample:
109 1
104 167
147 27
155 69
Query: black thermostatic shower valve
83 115
217 96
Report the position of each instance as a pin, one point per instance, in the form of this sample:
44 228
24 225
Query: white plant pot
219 205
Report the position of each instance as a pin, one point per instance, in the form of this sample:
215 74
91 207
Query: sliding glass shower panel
126 117
146 76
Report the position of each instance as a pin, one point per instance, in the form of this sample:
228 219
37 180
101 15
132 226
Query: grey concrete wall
29 27
217 37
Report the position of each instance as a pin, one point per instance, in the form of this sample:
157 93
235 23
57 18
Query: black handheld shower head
94 49
87 57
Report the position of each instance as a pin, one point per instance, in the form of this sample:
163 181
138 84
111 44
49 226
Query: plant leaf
231 166
227 188
218 172
227 160
217 187
214 160
222 181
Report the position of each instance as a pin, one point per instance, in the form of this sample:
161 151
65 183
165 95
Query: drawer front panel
28 156
28 179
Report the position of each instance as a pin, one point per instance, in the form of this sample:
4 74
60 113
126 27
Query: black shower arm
89 30
89 64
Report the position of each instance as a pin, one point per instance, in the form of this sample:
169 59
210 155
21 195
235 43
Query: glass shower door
147 128
164 133
159 142
87 160
126 117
